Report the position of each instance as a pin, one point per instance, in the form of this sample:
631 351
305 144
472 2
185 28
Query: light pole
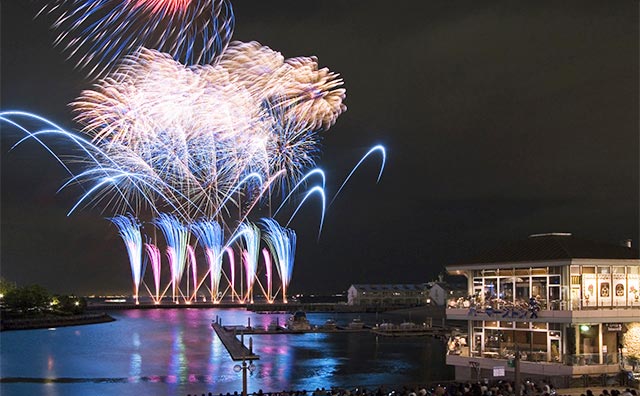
244 368
516 375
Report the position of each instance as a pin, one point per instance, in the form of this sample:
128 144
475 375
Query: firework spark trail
313 172
282 244
177 238
249 234
314 190
129 230
379 148
268 267
155 258
104 171
99 32
232 272
210 235
191 254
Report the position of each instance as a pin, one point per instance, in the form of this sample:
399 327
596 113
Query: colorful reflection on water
176 352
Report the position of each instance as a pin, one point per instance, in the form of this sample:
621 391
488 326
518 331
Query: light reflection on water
176 352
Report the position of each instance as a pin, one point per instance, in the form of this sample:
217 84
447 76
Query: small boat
274 325
330 324
298 322
356 324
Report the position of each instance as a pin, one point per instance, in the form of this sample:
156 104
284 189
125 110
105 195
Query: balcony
536 362
556 312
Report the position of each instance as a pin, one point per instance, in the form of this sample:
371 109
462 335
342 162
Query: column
601 357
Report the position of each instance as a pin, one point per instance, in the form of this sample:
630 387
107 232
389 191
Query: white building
388 295
568 306
438 292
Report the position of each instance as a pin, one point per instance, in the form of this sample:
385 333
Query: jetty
236 348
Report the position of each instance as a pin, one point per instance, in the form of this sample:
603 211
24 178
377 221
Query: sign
498 371
614 326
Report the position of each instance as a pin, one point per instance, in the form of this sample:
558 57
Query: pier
236 348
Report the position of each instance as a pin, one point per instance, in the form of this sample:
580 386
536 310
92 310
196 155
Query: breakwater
53 321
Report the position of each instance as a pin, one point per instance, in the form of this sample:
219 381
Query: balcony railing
537 356
525 304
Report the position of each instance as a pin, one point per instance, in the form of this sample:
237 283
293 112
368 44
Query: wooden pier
236 348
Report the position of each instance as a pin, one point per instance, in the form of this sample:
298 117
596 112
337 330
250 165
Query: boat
356 324
405 329
330 324
274 325
298 322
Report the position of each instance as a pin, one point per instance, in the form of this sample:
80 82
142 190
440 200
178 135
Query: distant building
438 292
568 307
388 295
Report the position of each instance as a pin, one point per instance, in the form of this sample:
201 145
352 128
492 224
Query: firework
196 138
129 230
282 244
177 238
211 237
309 95
155 258
99 32
249 234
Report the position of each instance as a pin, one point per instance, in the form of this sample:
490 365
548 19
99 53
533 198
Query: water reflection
175 351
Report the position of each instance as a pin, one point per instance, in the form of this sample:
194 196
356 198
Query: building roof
390 287
552 247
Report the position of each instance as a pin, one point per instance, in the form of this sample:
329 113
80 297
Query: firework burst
99 32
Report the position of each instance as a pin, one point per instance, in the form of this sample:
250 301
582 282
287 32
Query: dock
236 348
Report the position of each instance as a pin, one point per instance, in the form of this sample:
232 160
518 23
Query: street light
244 368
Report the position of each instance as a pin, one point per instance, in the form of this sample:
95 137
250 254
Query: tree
34 298
6 286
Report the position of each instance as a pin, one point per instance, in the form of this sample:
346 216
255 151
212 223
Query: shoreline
54 321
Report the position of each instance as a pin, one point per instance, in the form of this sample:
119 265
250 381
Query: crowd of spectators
485 388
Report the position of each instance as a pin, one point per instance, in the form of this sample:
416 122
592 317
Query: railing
542 305
537 356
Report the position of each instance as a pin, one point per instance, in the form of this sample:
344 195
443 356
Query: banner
604 290
589 290
634 289
619 290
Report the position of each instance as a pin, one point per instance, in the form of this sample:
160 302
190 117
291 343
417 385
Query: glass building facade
564 312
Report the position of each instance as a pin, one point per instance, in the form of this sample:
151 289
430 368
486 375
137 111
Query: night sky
501 120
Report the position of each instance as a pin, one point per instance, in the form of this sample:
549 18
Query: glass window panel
522 292
539 290
506 290
539 325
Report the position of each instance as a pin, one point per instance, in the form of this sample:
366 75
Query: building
438 292
568 307
388 295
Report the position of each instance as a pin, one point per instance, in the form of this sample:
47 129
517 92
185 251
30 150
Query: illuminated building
569 307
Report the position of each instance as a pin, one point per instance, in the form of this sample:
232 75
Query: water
176 352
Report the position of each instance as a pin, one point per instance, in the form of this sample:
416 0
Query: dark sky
501 119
